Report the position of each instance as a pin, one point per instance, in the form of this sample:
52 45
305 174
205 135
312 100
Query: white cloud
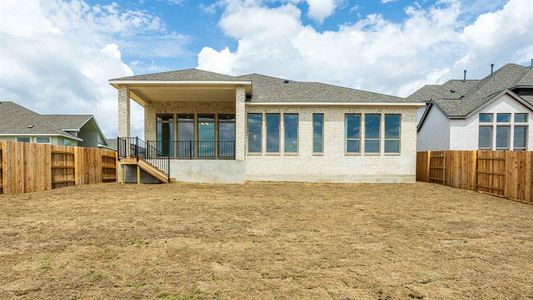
387 1
320 9
56 57
429 46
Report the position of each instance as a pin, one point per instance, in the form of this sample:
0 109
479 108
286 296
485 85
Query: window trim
512 124
360 138
385 139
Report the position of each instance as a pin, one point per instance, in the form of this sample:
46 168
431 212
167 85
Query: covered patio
187 119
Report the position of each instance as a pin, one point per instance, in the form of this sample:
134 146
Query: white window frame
512 124
524 124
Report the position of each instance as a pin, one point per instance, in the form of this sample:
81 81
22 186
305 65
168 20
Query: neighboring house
493 113
220 128
18 123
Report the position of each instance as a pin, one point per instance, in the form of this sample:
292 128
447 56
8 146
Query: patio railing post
137 147
190 149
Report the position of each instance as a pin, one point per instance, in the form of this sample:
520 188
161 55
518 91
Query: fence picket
30 167
502 173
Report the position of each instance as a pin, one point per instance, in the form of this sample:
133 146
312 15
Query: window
272 133
255 136
226 135
520 132
165 134
186 135
290 124
392 133
503 134
500 133
372 133
43 140
485 118
318 133
485 137
67 142
520 138
24 139
520 118
503 118
352 124
206 136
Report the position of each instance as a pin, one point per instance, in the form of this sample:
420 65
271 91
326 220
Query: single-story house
221 128
18 123
493 113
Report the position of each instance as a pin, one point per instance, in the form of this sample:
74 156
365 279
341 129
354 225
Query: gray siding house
18 123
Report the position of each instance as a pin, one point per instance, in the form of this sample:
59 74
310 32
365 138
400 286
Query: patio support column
123 111
240 118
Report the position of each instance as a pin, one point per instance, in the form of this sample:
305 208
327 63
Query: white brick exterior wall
332 166
123 111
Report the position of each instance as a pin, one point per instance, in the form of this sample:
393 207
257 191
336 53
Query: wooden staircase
147 167
134 151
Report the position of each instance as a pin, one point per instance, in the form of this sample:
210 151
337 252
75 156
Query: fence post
428 166
474 170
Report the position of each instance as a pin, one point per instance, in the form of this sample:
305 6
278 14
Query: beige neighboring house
219 128
18 123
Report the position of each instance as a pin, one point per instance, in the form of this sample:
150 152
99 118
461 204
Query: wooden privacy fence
30 167
502 173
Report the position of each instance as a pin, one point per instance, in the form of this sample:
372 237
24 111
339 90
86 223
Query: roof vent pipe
491 69
464 78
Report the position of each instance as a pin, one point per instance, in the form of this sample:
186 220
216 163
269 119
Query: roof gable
180 75
475 93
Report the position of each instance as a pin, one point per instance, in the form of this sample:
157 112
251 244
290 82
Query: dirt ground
265 240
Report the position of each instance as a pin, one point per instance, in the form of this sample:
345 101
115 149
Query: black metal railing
195 149
134 147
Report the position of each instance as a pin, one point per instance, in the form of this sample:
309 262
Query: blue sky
200 25
388 46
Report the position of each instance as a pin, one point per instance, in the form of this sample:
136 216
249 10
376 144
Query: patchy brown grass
265 240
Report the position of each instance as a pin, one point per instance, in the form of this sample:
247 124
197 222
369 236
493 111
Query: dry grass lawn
265 240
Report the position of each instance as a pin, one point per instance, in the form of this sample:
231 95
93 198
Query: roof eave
409 104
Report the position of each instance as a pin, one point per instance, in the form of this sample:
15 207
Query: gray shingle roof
273 89
112 142
180 75
65 122
18 120
472 94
